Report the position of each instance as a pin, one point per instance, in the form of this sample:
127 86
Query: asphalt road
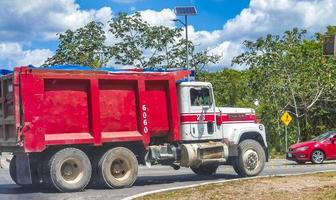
157 177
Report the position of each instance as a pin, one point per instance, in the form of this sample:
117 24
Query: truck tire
34 174
68 170
209 169
250 160
118 168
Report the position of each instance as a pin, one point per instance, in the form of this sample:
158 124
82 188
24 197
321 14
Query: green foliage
144 46
286 73
84 46
136 44
230 86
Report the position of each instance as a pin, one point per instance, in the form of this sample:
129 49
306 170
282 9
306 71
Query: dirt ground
308 187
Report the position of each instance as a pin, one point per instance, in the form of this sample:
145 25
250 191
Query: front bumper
297 156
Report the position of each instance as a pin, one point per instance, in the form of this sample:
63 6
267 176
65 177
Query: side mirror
333 140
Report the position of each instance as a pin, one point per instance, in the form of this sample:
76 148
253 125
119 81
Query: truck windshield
200 97
324 136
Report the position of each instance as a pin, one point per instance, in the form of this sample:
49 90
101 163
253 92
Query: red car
319 149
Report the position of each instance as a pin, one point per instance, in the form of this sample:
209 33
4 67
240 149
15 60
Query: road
157 177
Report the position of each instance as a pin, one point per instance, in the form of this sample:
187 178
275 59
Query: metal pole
186 30
286 138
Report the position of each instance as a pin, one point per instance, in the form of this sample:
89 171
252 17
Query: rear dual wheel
68 170
118 168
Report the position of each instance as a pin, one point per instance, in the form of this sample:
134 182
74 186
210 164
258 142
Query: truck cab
202 120
233 134
198 112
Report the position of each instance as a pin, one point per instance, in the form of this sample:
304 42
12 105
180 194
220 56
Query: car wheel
317 157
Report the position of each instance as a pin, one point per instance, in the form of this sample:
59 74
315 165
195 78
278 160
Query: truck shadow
189 179
156 180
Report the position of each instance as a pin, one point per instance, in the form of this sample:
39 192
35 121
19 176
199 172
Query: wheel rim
72 170
318 156
251 159
120 169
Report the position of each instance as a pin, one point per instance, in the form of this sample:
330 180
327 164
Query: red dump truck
69 128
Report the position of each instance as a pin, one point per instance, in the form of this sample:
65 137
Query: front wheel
205 169
317 157
250 160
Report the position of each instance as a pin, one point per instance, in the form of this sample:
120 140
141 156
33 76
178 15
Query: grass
321 186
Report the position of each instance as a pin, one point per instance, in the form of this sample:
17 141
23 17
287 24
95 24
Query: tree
84 46
146 46
136 44
288 72
230 87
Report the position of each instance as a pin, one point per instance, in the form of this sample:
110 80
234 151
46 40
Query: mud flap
23 173
233 149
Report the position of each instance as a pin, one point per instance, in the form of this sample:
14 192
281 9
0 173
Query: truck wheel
118 167
205 169
68 170
251 158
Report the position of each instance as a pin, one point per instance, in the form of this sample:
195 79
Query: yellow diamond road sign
286 118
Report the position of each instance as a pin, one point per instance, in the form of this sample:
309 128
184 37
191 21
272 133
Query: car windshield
324 136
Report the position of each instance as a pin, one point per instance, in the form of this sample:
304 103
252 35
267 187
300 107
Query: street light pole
185 11
187 46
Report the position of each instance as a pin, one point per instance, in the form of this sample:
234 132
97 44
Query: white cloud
39 19
263 17
227 50
23 22
34 57
12 54
157 18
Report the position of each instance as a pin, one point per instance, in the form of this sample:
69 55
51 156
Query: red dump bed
56 107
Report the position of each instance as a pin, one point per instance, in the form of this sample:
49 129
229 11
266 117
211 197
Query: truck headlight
261 127
302 148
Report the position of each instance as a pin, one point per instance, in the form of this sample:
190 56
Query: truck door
202 109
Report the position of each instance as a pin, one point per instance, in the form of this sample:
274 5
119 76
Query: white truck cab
212 136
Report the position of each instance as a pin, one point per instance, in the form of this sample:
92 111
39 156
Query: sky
28 28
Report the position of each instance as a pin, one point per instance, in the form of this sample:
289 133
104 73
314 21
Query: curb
222 181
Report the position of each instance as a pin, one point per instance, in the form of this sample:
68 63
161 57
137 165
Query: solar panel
187 10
